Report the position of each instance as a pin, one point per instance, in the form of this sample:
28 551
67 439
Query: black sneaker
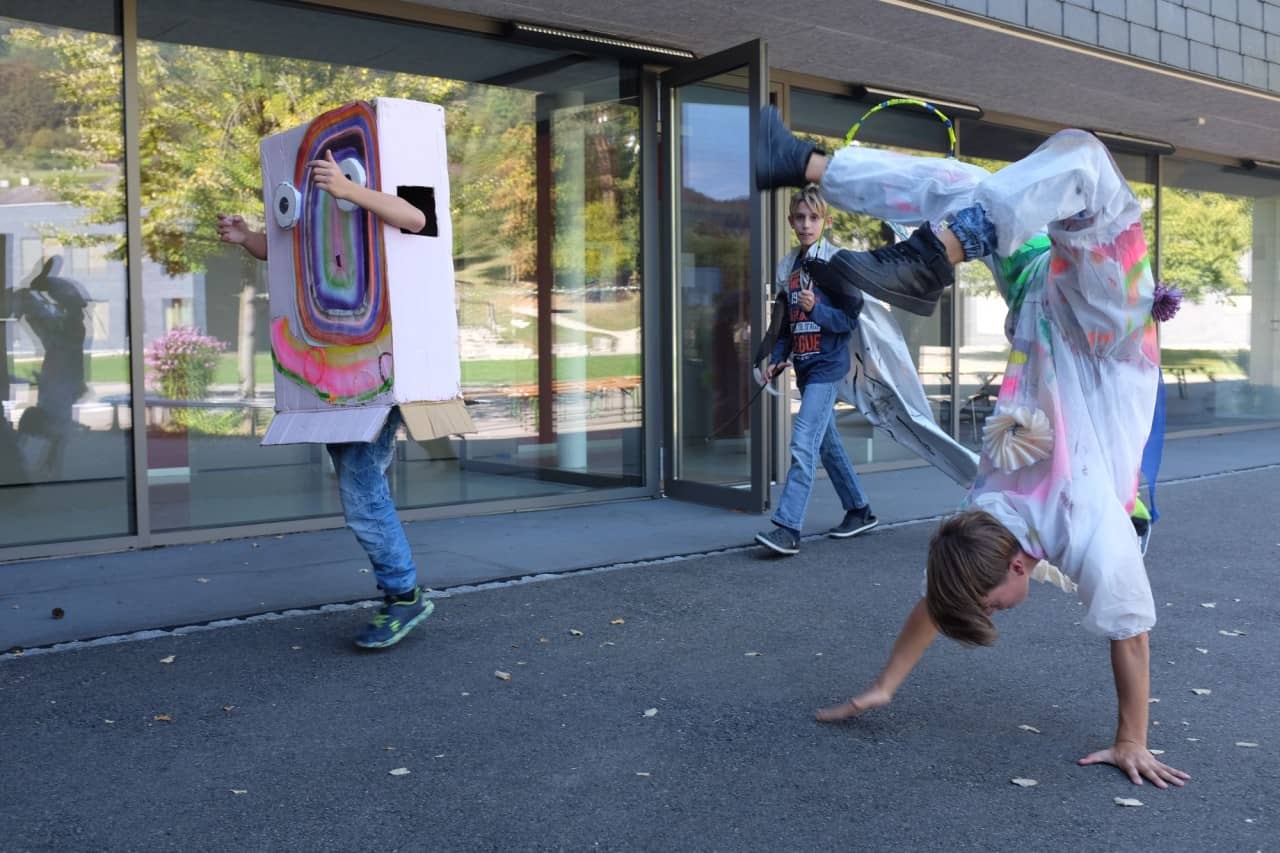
394 619
781 158
855 521
781 540
910 275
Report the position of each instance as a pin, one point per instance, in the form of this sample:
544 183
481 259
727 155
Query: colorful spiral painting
339 258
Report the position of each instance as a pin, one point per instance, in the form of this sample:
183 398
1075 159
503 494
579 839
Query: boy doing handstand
1058 474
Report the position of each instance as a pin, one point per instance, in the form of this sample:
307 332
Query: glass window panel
827 119
64 429
713 305
1220 232
543 150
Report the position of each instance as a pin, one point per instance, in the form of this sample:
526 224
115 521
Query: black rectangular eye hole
423 198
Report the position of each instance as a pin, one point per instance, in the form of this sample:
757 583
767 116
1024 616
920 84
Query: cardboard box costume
363 316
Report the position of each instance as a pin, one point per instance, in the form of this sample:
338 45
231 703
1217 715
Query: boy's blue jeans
813 437
369 510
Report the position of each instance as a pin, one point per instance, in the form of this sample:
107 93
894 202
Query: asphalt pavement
668 705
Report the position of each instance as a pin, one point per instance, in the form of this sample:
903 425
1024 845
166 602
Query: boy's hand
233 229
1138 763
327 175
873 698
771 372
805 300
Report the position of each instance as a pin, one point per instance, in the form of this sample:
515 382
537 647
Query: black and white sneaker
855 521
1142 527
910 275
780 540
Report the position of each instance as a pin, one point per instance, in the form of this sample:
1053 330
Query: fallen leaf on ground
239 790
651 712
1247 744
543 640
364 571
608 643
1024 783
202 580
618 621
643 773
399 771
1127 801
1208 604
1202 651
228 708
1152 701
505 676
754 654
109 722
295 648
1201 691
168 659
1194 739
441 755
1156 751
162 718
574 632
1031 729
58 613
1233 633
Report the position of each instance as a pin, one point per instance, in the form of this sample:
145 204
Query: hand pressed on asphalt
1137 762
873 698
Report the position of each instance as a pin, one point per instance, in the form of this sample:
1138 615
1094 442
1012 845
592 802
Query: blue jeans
813 437
369 510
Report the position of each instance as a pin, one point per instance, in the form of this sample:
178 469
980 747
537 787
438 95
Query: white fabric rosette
1047 572
1016 438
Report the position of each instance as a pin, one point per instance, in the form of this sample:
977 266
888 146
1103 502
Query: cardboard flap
331 426
426 421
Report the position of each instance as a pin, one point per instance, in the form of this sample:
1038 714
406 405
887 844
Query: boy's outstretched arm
233 229
391 209
916 635
1131 664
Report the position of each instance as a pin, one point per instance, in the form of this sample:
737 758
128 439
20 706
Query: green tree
202 115
1205 236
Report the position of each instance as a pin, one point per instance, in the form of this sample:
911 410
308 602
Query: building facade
611 254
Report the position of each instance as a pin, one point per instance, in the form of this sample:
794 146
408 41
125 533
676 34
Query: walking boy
1059 467
362 466
815 334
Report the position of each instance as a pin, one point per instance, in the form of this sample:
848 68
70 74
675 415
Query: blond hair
969 556
811 196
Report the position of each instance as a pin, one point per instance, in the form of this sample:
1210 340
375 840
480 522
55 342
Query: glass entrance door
715 279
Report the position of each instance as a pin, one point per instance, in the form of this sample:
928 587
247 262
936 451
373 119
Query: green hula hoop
914 102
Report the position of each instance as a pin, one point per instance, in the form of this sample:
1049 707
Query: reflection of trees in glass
203 113
1205 238
611 198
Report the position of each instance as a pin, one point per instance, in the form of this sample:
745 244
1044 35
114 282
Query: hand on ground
1137 763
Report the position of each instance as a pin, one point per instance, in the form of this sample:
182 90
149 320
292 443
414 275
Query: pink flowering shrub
181 364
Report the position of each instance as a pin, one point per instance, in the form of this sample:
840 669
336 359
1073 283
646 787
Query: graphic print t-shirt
817 339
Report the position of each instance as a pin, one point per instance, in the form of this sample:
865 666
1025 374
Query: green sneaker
396 617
